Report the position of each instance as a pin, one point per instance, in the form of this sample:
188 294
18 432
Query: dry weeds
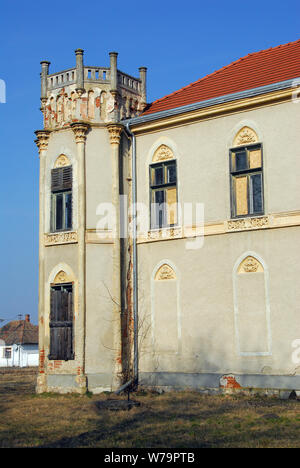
170 420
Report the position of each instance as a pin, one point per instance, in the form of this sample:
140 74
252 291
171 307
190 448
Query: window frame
51 356
246 172
63 190
53 211
154 188
5 350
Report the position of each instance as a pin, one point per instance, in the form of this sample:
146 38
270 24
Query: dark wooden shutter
61 324
61 178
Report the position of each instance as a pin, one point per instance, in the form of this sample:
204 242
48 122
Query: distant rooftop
19 332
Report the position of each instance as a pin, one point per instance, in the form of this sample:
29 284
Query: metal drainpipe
134 254
135 379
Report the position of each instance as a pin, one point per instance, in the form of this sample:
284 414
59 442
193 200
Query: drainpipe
134 255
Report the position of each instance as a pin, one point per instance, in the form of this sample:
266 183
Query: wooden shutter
61 324
61 178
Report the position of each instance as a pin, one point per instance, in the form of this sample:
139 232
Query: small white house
19 344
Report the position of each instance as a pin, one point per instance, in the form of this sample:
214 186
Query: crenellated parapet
90 94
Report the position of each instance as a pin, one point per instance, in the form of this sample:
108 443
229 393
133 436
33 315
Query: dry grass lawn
170 420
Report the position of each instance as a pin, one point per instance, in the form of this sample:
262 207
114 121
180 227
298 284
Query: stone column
80 130
44 86
114 84
143 75
115 131
44 79
79 72
42 144
113 72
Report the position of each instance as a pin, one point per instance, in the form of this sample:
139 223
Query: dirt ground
170 420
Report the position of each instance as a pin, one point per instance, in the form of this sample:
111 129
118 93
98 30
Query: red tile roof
252 71
19 332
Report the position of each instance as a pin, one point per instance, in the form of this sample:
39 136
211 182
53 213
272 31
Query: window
246 169
163 194
7 353
61 322
61 202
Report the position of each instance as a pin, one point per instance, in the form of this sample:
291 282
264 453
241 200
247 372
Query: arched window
163 188
61 318
61 195
246 175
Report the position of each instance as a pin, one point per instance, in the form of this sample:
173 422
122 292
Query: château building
169 232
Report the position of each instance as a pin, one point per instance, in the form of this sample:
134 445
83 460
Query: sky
179 42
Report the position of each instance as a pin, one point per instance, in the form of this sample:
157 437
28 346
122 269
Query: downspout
134 257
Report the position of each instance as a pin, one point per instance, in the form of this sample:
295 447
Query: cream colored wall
207 307
98 173
99 322
207 313
203 162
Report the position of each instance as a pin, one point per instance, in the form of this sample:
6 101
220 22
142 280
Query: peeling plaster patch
229 381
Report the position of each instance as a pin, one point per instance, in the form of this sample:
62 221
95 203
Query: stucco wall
201 150
210 332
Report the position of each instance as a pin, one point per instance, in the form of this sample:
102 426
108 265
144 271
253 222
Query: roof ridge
24 324
222 69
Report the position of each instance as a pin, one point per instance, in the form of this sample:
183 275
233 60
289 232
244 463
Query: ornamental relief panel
250 265
61 238
245 136
248 223
163 153
165 272
62 161
62 277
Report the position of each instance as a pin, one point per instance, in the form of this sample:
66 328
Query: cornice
212 111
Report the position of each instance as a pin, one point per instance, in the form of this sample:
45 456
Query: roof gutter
214 101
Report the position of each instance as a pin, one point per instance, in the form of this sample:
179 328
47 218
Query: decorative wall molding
273 221
62 277
114 133
80 130
250 265
163 153
61 238
42 139
245 136
248 223
62 161
95 236
165 272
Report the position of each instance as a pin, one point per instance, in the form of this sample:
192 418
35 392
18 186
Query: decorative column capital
80 130
42 139
114 133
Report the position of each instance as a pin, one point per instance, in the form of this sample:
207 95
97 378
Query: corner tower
80 271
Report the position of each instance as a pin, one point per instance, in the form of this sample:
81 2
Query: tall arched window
61 346
163 188
246 175
61 195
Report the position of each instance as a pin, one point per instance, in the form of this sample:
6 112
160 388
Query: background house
19 344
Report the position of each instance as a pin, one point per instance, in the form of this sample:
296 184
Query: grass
170 420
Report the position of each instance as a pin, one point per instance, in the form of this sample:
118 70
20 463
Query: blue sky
179 42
